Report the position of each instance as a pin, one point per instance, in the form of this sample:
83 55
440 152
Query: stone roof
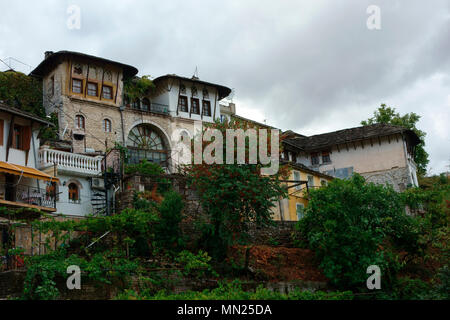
54 58
329 139
223 91
300 166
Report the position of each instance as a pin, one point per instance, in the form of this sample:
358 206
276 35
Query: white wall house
382 153
21 184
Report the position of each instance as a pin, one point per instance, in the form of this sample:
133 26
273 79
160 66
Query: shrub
351 225
167 231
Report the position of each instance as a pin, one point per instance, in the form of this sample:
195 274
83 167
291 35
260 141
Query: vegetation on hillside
351 224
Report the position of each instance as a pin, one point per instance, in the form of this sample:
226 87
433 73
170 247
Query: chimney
48 54
232 107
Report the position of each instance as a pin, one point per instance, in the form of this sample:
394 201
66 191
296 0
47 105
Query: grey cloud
311 66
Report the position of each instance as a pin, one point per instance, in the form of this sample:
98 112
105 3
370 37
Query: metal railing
153 107
43 197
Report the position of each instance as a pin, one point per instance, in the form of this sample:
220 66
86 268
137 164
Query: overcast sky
309 66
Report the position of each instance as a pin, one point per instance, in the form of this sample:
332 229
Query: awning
25 172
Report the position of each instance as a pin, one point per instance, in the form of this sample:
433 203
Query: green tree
385 114
21 91
232 197
352 224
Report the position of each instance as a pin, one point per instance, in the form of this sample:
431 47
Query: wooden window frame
111 92
192 106
315 155
107 124
303 210
77 122
73 193
96 89
185 99
208 105
81 87
326 156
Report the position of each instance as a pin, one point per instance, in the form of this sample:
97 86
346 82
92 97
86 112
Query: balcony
153 107
24 196
70 162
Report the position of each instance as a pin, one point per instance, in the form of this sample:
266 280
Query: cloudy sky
309 66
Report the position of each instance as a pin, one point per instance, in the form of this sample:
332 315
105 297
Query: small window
300 210
297 180
205 94
106 125
183 104
326 157
74 195
195 106
92 89
311 181
79 122
145 104
206 108
17 138
107 92
314 158
223 118
324 183
77 86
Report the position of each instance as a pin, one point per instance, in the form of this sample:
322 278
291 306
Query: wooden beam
10 136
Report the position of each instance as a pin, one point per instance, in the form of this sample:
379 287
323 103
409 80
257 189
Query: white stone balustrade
70 162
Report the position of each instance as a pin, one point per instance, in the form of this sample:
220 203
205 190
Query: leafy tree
385 114
21 91
138 87
168 232
232 197
352 224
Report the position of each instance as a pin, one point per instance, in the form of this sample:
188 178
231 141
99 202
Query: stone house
87 95
382 153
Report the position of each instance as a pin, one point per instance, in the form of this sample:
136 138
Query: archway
147 142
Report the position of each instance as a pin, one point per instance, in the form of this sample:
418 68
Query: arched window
74 193
106 125
145 104
144 142
79 122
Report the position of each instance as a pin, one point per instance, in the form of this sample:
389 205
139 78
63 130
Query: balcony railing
70 161
153 107
42 197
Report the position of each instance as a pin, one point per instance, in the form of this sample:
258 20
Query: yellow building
300 180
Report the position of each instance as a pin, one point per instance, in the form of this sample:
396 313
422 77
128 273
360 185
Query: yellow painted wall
298 196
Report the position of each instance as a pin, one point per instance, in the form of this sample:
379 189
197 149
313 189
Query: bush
195 265
351 225
168 232
233 291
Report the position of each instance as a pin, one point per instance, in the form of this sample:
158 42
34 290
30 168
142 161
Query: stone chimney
48 54
232 107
